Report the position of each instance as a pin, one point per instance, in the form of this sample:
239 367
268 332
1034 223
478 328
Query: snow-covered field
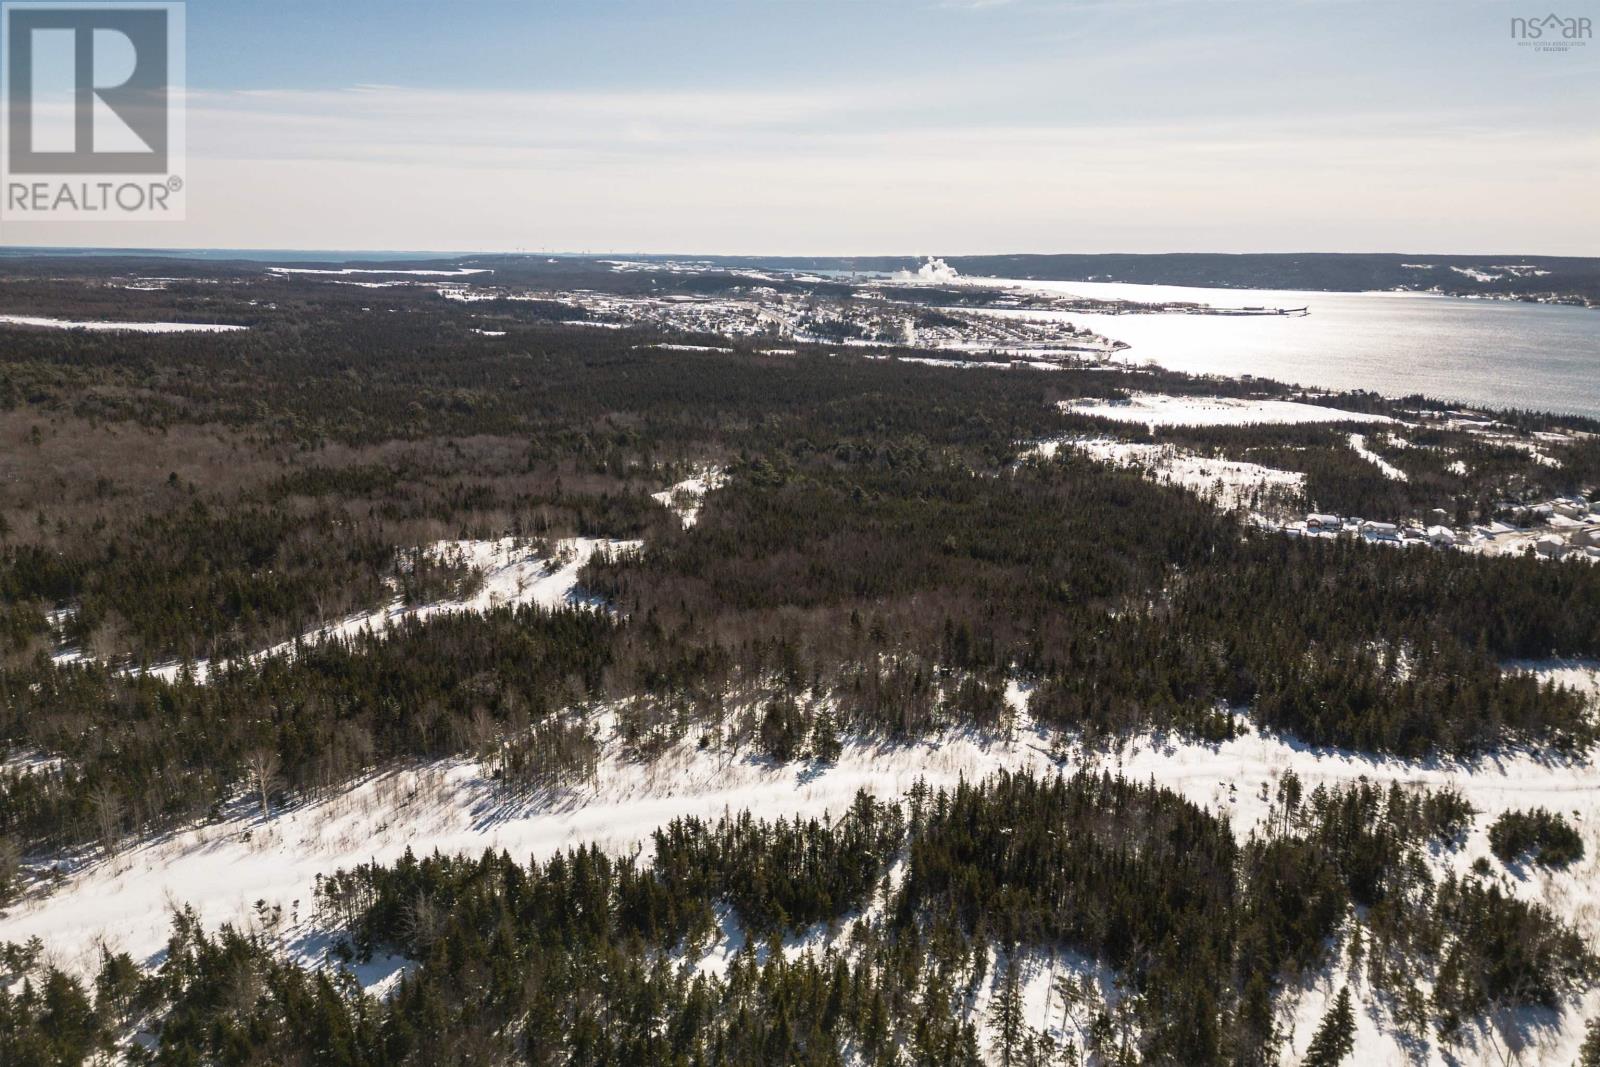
1271 495
1019 360
688 348
118 327
1153 409
1230 483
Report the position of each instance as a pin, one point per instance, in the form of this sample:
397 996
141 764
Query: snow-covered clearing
1538 455
1495 433
1231 484
514 572
1580 674
1018 362
960 364
686 496
1358 444
470 295
118 327
1153 409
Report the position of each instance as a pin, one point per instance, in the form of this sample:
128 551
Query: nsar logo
1552 33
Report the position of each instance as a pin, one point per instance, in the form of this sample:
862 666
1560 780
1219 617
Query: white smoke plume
934 270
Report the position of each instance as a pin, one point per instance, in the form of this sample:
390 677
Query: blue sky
892 126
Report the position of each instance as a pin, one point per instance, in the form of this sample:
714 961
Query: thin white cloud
1100 147
575 173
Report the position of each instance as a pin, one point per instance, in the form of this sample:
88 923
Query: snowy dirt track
513 573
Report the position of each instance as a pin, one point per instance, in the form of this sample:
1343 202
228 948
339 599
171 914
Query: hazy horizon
401 252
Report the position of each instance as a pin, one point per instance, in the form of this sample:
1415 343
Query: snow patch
119 327
688 348
686 496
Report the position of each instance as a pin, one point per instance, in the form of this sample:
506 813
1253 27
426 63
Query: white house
1441 535
1387 530
1551 546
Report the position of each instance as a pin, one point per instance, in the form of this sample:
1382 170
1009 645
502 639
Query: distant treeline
1570 276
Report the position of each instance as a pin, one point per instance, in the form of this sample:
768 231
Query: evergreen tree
1336 1036
1589 1053
1005 1014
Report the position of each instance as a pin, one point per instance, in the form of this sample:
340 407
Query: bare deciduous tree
264 766
422 921
106 803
